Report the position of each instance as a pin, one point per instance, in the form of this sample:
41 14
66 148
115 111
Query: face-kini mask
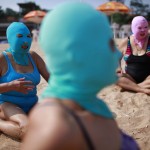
139 27
76 41
19 39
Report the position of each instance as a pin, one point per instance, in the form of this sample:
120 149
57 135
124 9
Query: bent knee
16 130
22 129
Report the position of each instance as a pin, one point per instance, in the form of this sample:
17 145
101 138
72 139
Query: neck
71 90
140 42
19 58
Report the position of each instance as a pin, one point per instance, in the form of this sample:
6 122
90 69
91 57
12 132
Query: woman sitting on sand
135 64
19 75
82 59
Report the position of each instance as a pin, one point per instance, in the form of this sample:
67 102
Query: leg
145 83
13 121
127 83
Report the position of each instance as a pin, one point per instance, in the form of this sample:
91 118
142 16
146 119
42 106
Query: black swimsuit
138 67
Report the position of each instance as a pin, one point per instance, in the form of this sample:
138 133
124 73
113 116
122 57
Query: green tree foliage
11 15
27 7
138 8
121 1
122 18
8 15
2 13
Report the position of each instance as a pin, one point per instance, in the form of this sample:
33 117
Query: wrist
9 86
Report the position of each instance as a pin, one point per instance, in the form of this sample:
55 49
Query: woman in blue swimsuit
82 59
20 72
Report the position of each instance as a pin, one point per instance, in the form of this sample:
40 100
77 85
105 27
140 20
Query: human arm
40 65
122 45
19 85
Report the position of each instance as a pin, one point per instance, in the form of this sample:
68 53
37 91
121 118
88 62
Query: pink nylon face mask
139 28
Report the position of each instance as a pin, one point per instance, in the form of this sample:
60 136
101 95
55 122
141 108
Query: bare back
98 128
65 132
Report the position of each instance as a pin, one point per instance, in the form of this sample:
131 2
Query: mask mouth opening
24 47
142 34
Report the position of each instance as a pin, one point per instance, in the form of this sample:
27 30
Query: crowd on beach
80 60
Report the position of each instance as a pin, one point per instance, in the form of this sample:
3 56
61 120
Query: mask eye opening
19 35
29 35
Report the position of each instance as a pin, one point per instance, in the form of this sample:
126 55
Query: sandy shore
132 111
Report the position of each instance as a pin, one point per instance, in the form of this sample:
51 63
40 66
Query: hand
21 85
119 72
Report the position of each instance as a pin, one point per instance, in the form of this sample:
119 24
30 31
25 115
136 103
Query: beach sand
132 111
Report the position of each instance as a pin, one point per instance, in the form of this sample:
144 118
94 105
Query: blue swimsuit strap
9 64
7 59
33 63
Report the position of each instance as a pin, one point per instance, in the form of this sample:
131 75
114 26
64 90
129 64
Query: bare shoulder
36 57
1 56
123 45
2 59
62 128
54 103
33 54
3 64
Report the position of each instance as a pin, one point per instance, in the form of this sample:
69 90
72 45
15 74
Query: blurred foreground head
80 53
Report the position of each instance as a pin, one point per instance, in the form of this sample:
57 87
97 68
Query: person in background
20 72
80 54
35 34
135 72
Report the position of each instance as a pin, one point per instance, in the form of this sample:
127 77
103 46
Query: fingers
26 82
23 86
26 88
26 85
21 79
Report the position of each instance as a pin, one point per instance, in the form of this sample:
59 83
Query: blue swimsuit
24 101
